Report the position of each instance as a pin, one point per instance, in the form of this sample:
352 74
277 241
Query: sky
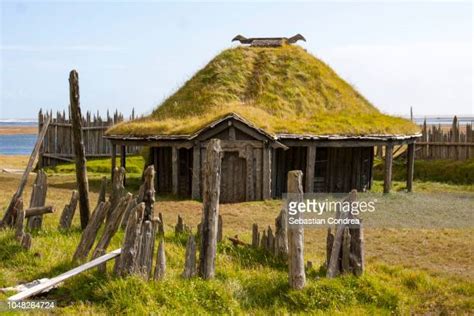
135 54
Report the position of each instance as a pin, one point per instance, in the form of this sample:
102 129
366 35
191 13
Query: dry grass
282 90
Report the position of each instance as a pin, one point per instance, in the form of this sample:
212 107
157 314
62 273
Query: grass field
408 270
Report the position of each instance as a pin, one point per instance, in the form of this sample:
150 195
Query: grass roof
281 90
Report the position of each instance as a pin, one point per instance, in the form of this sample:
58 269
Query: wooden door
233 178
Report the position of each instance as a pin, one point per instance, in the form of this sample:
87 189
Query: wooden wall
438 142
57 145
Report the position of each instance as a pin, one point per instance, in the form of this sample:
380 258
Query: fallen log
236 241
43 286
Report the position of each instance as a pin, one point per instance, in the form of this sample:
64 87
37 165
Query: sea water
17 144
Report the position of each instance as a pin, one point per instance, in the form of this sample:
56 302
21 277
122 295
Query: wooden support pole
196 185
123 160
296 272
79 151
310 164
210 210
267 172
113 160
9 217
149 192
410 166
174 170
387 181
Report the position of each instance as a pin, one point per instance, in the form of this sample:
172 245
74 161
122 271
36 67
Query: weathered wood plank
90 232
410 166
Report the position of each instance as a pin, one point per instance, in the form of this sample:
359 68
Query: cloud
63 48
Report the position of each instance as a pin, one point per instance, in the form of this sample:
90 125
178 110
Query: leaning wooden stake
79 151
89 234
68 213
111 226
160 268
281 235
296 275
210 213
38 198
9 217
190 258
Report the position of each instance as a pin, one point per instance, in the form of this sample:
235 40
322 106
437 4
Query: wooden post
113 160
410 166
210 211
387 181
310 164
79 151
255 236
281 234
296 273
160 267
174 169
149 192
20 219
334 261
190 258
219 228
9 217
196 185
68 213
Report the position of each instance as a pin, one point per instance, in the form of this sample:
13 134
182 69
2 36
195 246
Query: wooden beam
174 169
39 210
60 278
345 143
9 217
114 158
410 166
387 181
79 151
196 180
310 162
266 172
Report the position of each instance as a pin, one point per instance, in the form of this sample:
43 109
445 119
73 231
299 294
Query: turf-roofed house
275 108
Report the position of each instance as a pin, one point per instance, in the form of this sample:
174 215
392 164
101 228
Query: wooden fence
444 142
58 142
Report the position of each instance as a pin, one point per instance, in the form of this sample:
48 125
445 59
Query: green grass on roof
282 90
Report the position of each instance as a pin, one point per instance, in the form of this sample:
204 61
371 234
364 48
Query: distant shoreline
18 130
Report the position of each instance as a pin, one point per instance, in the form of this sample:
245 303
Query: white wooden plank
53 281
